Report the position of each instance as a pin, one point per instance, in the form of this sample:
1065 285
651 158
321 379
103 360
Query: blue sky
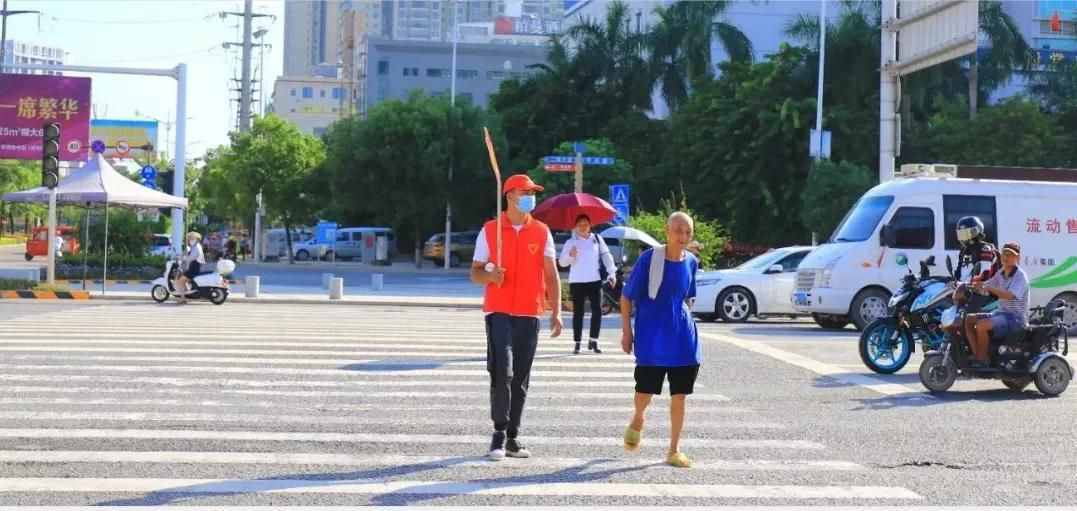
156 34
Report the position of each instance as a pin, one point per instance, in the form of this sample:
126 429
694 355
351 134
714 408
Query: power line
96 21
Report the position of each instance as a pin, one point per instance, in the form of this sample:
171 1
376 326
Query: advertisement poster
28 102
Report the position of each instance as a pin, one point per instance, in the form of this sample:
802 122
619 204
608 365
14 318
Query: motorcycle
1035 353
211 285
611 294
914 314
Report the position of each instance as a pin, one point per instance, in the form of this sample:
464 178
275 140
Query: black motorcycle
1033 354
913 314
611 294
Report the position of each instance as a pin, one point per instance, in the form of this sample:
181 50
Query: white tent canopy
98 183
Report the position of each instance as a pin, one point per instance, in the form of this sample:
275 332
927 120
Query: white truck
852 276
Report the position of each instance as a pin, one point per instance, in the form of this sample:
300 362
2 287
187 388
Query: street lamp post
447 255
818 142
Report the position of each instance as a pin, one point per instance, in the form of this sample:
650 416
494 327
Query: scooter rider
192 264
1010 286
976 251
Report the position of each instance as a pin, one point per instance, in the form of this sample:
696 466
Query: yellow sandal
679 460
632 439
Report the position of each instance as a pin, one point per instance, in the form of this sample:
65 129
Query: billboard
28 102
125 139
931 32
526 25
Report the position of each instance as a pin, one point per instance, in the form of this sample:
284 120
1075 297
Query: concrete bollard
336 288
252 286
377 281
326 277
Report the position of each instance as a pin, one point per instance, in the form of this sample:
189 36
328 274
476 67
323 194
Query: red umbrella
560 211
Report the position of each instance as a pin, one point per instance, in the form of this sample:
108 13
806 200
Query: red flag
1056 22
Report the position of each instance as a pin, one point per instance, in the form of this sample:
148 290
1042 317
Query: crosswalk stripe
382 438
534 394
532 409
491 488
221 382
410 344
564 357
317 458
384 360
354 368
477 420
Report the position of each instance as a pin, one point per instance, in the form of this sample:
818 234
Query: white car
162 245
306 250
760 287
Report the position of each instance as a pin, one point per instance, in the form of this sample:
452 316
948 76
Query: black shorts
682 380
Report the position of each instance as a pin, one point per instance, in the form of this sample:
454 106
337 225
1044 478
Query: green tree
393 167
14 176
1008 52
680 45
743 146
278 159
832 188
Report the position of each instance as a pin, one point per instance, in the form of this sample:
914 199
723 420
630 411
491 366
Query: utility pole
819 93
4 13
245 78
452 154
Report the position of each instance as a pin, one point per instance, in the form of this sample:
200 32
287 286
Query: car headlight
824 277
707 282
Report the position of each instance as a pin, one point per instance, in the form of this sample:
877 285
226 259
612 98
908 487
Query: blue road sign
149 183
619 198
579 147
598 160
149 173
559 159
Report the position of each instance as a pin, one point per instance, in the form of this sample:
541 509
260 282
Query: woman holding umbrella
587 254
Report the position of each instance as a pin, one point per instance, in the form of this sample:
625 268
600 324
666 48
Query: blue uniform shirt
665 332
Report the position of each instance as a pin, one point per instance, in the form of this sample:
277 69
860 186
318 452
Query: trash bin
382 250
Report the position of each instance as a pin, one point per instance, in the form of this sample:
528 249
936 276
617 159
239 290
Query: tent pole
104 272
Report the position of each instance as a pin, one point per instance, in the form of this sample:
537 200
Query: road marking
385 360
823 369
477 420
396 461
490 488
353 394
382 438
343 408
256 355
355 368
411 344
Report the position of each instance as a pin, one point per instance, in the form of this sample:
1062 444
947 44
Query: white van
275 242
851 278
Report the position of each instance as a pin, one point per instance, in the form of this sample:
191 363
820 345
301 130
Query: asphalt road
247 404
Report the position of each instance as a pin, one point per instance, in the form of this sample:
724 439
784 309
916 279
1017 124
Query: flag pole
497 176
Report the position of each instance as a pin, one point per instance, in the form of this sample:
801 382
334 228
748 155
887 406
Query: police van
852 276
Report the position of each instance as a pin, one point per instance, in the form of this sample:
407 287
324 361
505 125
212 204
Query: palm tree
853 45
612 54
1008 51
680 45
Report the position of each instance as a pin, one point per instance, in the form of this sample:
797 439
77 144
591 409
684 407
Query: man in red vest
518 280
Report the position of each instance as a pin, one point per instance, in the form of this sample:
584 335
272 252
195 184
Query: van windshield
861 221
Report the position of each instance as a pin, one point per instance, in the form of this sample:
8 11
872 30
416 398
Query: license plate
801 299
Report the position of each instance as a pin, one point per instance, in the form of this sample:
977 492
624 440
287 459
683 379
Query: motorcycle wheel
217 296
1017 384
937 374
159 294
1053 377
884 348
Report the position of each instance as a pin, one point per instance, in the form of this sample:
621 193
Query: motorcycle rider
1011 288
975 249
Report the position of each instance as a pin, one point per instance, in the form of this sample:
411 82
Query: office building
22 52
312 103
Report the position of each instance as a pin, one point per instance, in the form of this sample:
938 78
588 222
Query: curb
322 301
45 295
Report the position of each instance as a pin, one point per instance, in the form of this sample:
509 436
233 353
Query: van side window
954 207
342 236
914 228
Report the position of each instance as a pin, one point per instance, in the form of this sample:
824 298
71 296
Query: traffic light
50 157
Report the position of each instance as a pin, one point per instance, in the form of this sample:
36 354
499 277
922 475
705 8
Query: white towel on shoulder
655 272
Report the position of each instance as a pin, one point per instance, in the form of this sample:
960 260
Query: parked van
361 242
851 278
276 242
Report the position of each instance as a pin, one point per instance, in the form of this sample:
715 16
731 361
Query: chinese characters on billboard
28 102
526 25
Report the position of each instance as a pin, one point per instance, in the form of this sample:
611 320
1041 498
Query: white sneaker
497 447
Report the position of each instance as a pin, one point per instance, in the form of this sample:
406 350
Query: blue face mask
526 203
